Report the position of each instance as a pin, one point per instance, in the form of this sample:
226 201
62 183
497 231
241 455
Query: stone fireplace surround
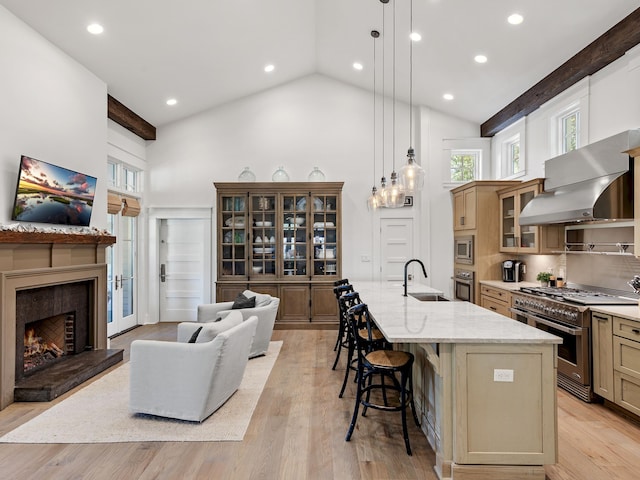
34 260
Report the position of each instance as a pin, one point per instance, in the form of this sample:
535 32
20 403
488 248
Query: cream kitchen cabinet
626 364
602 349
496 300
475 207
525 239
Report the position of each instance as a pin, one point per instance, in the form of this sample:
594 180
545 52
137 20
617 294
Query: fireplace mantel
35 259
9 236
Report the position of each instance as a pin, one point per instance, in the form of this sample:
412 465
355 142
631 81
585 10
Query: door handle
116 282
163 273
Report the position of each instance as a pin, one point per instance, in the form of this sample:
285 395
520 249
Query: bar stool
385 363
370 339
343 327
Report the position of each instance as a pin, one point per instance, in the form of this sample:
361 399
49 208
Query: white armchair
189 381
266 310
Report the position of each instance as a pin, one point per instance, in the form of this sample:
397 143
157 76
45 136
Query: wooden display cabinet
283 239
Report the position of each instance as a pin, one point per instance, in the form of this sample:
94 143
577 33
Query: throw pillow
243 302
262 299
212 329
194 336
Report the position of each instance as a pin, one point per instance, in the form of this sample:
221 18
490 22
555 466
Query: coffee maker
512 271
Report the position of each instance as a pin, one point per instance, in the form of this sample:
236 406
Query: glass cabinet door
234 235
325 240
294 229
508 227
528 234
263 239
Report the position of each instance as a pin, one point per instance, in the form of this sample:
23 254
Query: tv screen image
47 193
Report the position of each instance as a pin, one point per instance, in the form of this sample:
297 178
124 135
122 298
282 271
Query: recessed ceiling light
269 68
415 36
172 101
480 58
515 19
447 96
95 28
357 66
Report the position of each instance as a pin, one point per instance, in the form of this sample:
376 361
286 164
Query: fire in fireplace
48 340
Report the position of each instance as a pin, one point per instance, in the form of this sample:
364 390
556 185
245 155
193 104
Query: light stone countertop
408 320
631 312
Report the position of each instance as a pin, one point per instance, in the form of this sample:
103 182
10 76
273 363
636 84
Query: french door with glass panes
121 275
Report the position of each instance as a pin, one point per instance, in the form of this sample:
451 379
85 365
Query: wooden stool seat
388 358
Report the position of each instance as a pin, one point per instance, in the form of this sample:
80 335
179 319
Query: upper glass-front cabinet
262 216
279 231
325 234
516 238
233 235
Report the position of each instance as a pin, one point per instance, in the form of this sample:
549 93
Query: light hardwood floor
297 432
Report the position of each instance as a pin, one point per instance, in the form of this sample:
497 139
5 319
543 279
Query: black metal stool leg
350 350
354 418
403 402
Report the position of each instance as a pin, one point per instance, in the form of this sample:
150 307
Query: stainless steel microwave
463 249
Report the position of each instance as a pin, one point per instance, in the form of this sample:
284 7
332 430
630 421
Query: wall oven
463 249
463 285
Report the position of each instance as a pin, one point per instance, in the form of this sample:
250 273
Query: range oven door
574 358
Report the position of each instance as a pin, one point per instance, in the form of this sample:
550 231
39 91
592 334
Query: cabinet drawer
626 356
626 328
495 306
627 392
497 294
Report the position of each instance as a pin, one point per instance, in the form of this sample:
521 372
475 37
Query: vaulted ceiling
206 53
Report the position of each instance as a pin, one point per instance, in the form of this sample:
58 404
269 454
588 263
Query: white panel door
396 239
182 248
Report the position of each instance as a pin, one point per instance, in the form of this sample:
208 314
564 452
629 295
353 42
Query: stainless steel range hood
591 183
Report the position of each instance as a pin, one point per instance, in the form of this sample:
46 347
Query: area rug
99 413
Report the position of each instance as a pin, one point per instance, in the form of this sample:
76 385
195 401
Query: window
569 126
124 178
512 162
465 165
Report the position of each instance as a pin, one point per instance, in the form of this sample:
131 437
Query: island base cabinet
498 393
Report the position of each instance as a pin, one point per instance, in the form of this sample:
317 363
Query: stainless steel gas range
565 312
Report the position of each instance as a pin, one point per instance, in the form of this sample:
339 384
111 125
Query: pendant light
383 192
396 193
412 174
373 202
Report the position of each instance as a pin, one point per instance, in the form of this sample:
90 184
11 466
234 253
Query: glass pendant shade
383 193
247 175
373 202
412 174
280 175
395 193
316 175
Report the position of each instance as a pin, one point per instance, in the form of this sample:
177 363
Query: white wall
53 109
312 121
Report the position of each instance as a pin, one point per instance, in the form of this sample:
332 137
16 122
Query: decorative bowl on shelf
298 220
257 269
263 250
264 224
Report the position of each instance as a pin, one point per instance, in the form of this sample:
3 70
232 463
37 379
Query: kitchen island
484 385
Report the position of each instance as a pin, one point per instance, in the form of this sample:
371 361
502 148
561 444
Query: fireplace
51 323
55 284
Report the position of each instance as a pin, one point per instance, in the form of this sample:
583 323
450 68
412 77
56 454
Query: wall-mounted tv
47 193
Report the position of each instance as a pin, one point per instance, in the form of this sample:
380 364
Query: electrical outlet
365 258
502 375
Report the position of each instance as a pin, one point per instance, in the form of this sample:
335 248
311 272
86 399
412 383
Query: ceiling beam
129 120
608 47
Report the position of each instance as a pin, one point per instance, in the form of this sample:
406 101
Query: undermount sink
428 297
